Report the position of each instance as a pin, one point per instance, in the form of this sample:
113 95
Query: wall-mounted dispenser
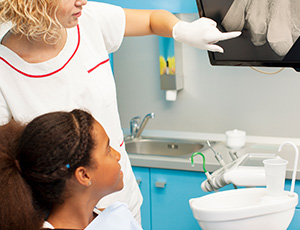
171 77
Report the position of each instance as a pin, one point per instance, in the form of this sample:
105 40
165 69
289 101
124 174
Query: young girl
57 169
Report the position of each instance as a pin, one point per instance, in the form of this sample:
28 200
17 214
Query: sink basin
164 146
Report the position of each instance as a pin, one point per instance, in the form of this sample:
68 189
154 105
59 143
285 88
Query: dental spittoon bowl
247 208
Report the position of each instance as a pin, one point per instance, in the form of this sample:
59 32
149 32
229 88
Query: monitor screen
270 31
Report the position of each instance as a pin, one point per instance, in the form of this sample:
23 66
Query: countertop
254 144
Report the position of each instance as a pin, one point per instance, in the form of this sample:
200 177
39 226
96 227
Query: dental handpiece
218 156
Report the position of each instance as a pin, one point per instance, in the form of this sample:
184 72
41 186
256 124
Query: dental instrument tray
248 170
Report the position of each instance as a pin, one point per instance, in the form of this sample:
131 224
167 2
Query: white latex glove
201 33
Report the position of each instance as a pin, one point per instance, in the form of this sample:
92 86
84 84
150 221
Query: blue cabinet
166 198
170 194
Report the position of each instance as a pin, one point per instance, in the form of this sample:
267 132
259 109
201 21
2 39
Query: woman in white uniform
57 169
54 56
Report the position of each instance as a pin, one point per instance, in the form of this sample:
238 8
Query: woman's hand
201 33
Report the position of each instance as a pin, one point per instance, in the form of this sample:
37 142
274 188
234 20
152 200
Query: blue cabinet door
170 194
142 176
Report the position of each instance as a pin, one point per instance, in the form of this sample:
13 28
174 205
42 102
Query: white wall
214 98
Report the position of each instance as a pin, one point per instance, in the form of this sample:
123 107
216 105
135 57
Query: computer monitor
270 32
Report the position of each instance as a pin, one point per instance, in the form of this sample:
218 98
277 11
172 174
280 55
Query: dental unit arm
248 171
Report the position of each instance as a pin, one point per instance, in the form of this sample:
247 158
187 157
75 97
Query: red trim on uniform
48 74
122 143
101 63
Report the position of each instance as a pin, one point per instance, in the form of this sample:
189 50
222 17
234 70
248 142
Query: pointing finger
229 35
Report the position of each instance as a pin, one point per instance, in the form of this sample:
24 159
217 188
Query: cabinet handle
138 181
160 184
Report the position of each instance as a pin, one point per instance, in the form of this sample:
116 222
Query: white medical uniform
79 77
114 217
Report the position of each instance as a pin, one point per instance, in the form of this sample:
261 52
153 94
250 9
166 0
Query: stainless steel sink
164 146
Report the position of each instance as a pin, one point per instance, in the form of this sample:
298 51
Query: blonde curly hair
34 19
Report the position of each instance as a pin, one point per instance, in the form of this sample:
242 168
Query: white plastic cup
235 139
275 176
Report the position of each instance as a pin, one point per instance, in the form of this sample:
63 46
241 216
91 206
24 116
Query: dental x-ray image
270 31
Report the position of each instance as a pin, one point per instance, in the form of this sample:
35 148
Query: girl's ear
82 176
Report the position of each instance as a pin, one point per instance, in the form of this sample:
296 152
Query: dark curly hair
48 152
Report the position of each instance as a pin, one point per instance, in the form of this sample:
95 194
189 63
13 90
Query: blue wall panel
174 6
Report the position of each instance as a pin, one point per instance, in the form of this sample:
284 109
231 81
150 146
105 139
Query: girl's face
69 11
107 176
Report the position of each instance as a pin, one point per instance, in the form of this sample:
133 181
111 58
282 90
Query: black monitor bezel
257 63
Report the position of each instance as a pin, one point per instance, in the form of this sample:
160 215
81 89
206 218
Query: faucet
137 127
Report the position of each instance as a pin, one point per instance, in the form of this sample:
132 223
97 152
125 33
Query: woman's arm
147 22
201 33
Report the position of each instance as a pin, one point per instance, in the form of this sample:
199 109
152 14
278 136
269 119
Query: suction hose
212 183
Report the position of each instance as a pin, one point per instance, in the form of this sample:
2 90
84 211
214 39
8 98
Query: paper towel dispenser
171 76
